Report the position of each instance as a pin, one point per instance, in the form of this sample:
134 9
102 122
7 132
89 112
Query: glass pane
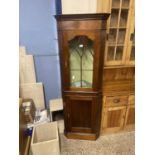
119 53
87 60
112 36
81 62
114 18
87 78
125 3
74 60
123 18
111 51
121 36
116 3
75 78
132 56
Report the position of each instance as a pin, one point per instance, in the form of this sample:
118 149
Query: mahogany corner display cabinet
81 45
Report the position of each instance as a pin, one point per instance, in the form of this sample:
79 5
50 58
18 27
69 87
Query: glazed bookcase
118 112
119 50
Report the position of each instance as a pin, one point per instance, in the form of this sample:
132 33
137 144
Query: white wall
78 6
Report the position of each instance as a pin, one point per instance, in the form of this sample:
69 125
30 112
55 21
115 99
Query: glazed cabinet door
118 31
81 60
81 113
113 119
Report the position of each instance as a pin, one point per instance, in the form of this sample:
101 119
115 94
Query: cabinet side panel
131 116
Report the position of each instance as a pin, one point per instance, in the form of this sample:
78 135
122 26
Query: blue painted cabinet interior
39 34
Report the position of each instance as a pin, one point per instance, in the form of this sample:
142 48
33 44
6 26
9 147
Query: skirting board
33 91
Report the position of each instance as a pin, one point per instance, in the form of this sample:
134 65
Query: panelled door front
81 113
113 119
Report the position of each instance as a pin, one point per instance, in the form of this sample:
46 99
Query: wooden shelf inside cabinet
125 8
115 8
122 27
113 27
111 44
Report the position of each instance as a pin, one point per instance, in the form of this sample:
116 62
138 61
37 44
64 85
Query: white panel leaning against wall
29 88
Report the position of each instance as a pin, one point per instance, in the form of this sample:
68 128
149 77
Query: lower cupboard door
113 119
82 114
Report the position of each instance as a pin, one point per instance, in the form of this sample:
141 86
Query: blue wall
39 34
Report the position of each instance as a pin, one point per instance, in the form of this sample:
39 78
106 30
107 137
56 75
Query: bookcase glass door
81 57
116 32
